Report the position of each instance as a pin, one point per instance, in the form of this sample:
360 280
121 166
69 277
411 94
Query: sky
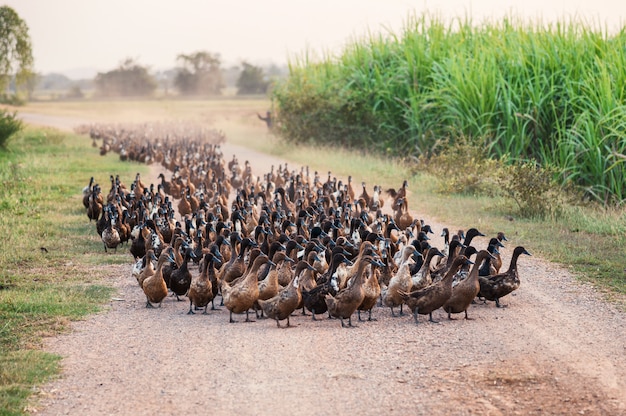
74 36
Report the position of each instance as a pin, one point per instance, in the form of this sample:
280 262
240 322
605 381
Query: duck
180 279
282 305
241 296
466 290
425 301
269 286
147 268
400 193
422 278
497 261
168 268
201 287
488 266
401 281
314 298
445 263
499 285
110 235
372 291
346 301
236 266
469 236
154 286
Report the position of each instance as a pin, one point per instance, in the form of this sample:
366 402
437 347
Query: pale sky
99 34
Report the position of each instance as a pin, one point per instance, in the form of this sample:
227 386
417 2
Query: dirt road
557 349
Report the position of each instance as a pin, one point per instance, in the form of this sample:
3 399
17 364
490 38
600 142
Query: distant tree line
197 74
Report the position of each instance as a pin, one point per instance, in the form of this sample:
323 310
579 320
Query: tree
16 55
251 80
200 74
130 79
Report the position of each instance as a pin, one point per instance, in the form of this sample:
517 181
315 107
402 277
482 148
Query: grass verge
50 263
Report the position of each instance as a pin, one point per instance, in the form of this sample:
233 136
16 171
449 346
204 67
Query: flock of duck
282 242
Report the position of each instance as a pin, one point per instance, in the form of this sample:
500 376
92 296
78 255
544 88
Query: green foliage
9 125
41 177
130 79
554 94
251 80
463 167
200 74
16 55
533 188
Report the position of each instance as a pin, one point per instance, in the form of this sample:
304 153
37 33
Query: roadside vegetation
51 263
552 95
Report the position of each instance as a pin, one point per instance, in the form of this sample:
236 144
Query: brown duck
425 301
282 305
154 286
241 296
201 288
347 300
269 286
464 293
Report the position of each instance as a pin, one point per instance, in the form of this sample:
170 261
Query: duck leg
191 312
148 304
313 314
247 318
499 305
358 313
393 314
205 309
370 316
430 318
304 312
467 317
232 321
415 317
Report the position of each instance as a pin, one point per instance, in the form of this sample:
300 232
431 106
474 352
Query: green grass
524 90
42 172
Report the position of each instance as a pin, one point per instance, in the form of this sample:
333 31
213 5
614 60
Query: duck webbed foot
149 305
430 318
499 305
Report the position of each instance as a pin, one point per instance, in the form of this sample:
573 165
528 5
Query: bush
533 188
464 168
9 125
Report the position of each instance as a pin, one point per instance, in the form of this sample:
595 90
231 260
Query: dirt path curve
557 349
